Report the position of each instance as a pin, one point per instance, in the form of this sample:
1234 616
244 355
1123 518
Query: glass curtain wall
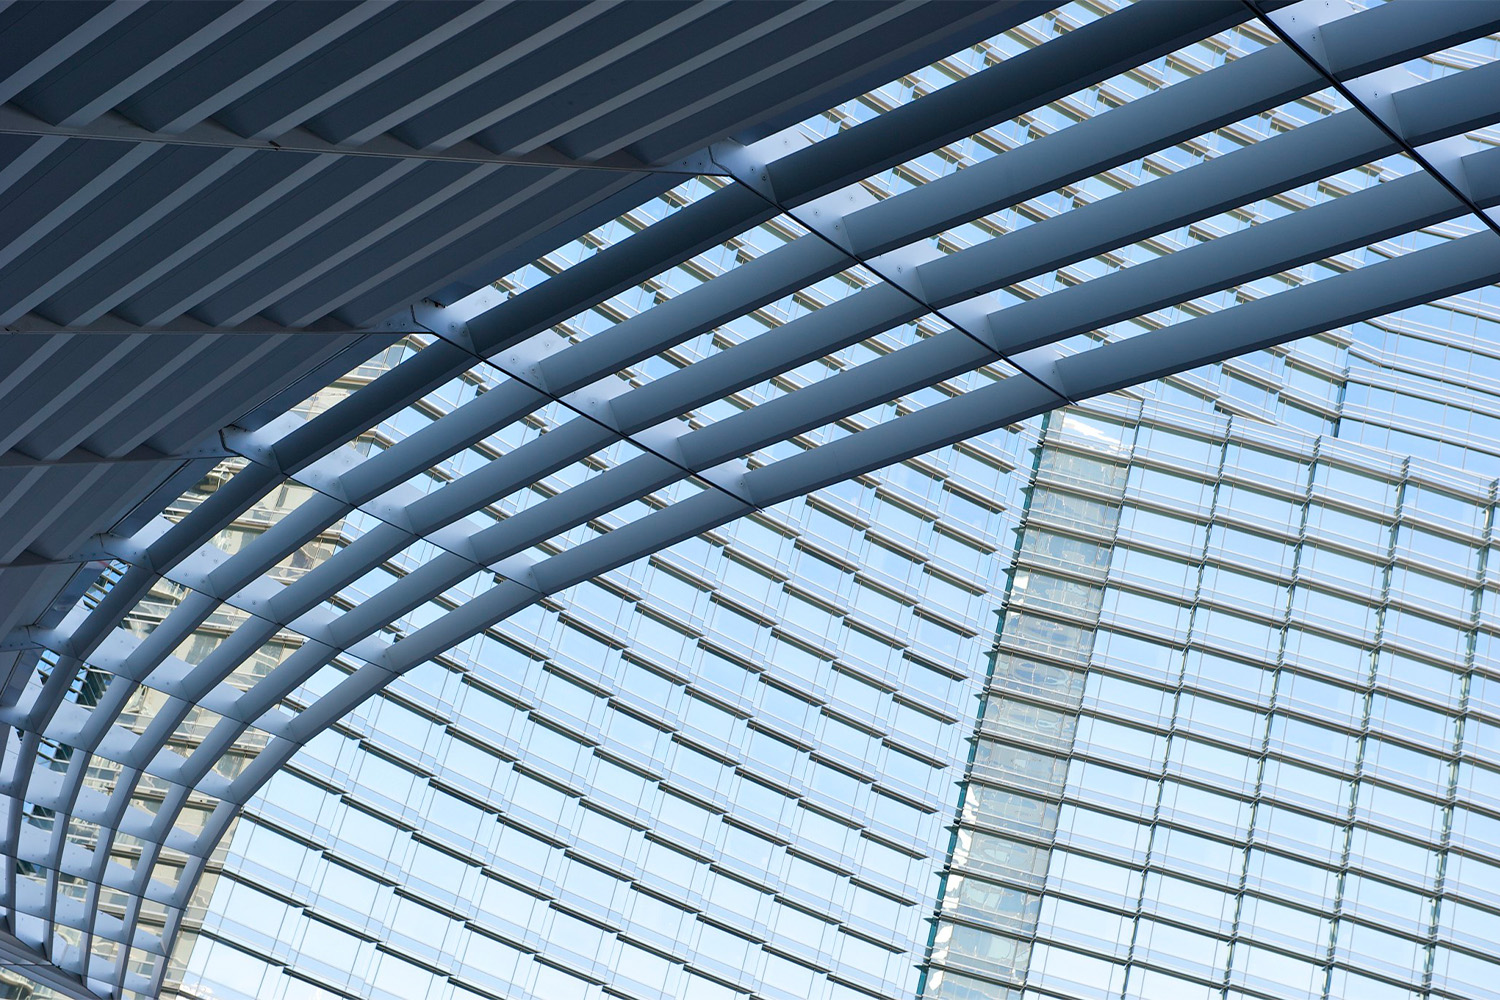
1269 776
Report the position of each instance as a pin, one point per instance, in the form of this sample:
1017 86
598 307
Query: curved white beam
525 370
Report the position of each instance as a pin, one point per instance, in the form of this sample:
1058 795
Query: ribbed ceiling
1151 190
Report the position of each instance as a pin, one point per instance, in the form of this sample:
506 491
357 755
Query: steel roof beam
33 325
1414 202
230 17
110 126
772 68
94 26
422 44
82 456
619 184
301 49
957 363
1394 32
390 607
582 376
1064 65
999 93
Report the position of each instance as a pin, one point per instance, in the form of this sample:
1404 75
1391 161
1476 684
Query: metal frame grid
530 359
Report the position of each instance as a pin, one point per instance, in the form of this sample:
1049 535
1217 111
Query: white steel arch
634 436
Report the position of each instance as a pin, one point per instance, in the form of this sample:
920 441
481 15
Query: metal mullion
358 501
1445 847
124 791
660 246
414 536
95 628
532 372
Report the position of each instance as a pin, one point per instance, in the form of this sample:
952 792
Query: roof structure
223 204
215 209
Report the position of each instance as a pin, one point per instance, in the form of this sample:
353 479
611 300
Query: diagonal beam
418 47
299 50
60 51
565 76
772 68
83 457
163 63
102 249
34 325
110 126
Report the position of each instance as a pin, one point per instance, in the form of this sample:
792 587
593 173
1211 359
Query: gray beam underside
1402 31
59 52
31 325
113 127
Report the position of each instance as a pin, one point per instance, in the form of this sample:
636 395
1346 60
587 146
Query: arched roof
657 423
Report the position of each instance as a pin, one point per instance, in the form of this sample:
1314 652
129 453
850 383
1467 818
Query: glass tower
1185 691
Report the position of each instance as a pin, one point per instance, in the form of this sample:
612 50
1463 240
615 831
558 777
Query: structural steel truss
638 437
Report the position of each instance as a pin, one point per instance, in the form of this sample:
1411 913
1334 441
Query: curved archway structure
784 319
